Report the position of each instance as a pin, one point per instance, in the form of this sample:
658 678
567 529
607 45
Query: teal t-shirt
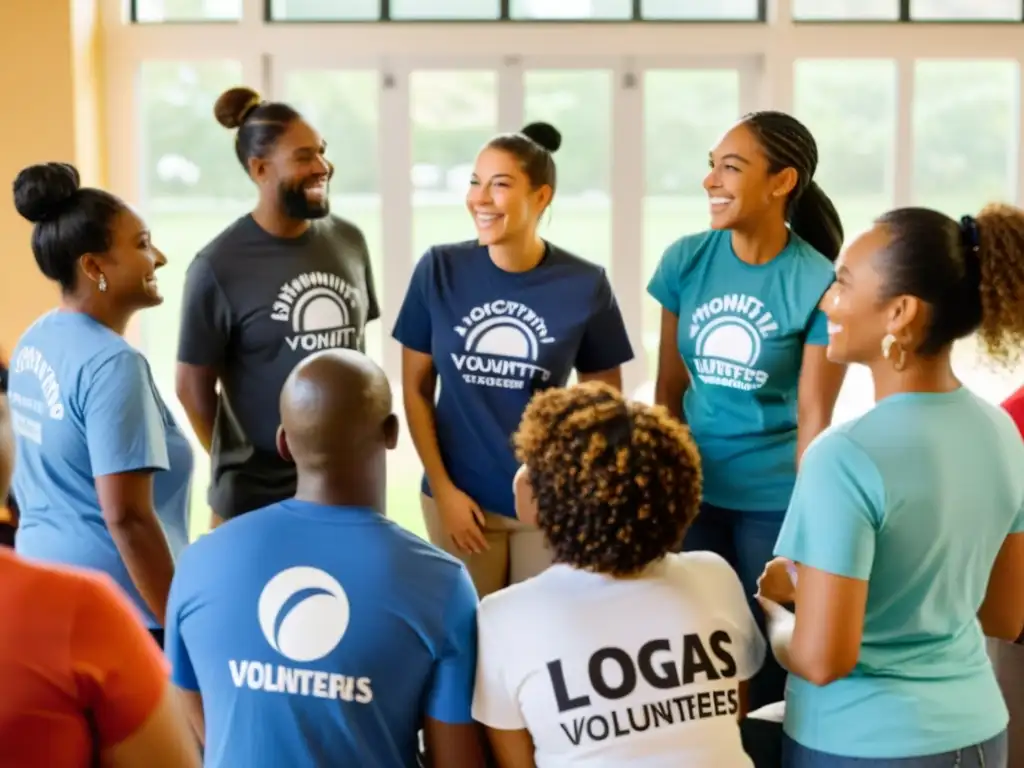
916 497
742 331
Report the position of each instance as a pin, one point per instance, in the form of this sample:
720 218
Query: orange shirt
1015 407
70 644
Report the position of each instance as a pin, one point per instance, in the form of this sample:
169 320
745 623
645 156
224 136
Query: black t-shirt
254 306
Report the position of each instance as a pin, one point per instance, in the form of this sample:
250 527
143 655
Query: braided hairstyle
787 143
970 272
616 483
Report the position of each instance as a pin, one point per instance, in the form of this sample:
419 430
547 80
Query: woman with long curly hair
903 544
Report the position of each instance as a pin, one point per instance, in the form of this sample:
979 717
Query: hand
463 520
777 582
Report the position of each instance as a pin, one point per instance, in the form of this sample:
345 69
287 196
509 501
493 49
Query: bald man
315 631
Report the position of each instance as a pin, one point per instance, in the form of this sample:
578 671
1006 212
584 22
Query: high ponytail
787 143
813 217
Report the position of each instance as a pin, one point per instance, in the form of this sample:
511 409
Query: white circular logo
303 613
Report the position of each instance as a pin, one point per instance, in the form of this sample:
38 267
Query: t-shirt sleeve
182 673
413 326
205 329
450 698
748 648
664 284
1014 405
373 306
605 343
495 703
817 329
124 425
836 508
119 670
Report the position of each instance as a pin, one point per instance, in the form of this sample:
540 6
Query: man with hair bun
278 284
623 652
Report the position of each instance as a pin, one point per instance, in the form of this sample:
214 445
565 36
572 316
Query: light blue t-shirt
321 635
83 405
742 331
497 338
916 497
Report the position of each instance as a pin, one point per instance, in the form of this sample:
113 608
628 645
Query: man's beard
296 206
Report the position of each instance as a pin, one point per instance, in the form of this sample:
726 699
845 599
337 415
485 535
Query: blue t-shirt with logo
497 338
742 331
83 405
916 497
321 635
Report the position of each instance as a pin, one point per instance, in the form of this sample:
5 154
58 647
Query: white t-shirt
613 672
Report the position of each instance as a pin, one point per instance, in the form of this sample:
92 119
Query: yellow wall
50 83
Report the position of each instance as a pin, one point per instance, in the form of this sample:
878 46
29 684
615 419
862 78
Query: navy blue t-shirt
498 337
321 635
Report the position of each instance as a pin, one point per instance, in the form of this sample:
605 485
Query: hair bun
40 191
544 134
234 105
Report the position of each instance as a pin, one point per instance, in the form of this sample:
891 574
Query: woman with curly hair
903 544
622 652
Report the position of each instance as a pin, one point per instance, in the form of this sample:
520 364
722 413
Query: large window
850 107
965 143
705 10
571 9
685 112
147 11
578 103
943 10
192 187
846 10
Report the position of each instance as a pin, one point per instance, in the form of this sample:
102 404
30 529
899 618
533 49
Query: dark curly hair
971 273
617 483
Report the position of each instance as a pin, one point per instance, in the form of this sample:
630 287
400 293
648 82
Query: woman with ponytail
903 545
742 352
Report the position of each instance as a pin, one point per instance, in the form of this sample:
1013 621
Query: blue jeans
747 541
989 754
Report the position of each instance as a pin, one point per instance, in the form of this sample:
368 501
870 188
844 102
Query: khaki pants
517 551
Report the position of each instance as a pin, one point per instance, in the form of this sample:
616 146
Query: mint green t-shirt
742 332
916 497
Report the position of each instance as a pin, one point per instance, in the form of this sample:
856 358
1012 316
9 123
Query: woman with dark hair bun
903 545
494 320
278 284
101 462
742 351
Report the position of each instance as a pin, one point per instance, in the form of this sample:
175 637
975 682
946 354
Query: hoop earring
888 342
102 283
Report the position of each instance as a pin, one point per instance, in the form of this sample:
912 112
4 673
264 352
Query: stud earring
102 283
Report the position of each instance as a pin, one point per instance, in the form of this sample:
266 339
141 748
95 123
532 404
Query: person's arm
127 442
820 383
604 347
495 700
834 554
413 330
122 680
205 332
182 673
672 378
1002 611
452 738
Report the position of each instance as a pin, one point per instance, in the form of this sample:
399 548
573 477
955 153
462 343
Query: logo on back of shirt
696 678
303 613
728 332
31 360
318 308
503 341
